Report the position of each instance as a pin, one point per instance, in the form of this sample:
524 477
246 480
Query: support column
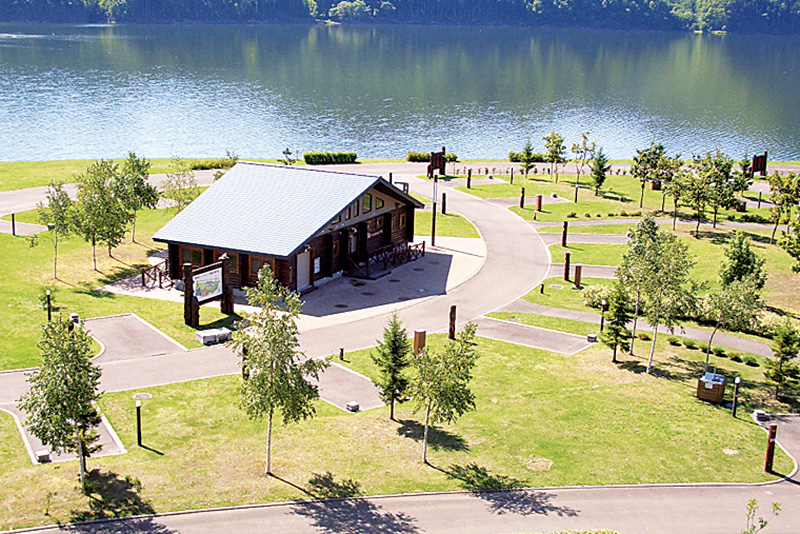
191 307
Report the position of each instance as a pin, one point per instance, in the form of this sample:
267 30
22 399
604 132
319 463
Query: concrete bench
213 335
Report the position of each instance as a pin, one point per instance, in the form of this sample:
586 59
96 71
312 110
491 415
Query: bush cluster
424 157
516 157
329 158
593 295
218 163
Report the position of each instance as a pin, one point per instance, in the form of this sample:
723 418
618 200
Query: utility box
711 387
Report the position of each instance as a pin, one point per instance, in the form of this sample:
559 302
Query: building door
303 270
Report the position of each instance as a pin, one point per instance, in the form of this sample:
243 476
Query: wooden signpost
437 163
211 282
759 165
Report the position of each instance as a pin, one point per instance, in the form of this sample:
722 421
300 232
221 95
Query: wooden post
451 334
390 178
566 266
341 353
564 234
469 178
578 270
522 199
444 203
512 175
419 340
226 302
759 199
773 430
538 202
191 308
13 225
433 225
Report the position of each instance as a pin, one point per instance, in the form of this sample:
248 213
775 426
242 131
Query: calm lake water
92 91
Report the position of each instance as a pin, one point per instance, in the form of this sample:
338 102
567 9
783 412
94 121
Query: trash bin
711 387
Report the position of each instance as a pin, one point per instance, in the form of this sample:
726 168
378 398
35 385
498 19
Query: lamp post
736 382
433 220
49 308
139 398
603 305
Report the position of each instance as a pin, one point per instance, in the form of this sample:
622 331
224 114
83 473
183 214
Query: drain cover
418 269
394 280
556 286
367 293
340 305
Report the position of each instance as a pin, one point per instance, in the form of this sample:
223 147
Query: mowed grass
26 272
450 225
542 419
588 253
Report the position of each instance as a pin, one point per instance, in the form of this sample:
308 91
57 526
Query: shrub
424 157
644 336
719 351
516 157
599 215
227 162
612 214
623 213
674 341
702 346
690 344
736 357
329 158
751 361
587 215
571 215
593 295
753 217
636 213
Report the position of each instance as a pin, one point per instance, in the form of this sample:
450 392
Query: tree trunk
775 229
674 214
133 229
425 433
391 408
697 228
635 318
641 198
82 461
94 254
55 255
614 355
268 470
708 349
714 225
652 349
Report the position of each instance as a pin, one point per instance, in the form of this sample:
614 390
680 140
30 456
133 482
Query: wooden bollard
512 176
522 199
564 234
419 340
773 431
759 199
451 334
469 178
390 178
578 270
538 202
444 203
566 266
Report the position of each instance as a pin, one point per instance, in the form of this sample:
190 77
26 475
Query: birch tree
133 190
554 143
58 215
276 378
733 307
584 152
441 384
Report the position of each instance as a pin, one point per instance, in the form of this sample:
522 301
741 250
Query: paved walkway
531 336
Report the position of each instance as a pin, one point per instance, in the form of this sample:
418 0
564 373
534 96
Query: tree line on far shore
745 16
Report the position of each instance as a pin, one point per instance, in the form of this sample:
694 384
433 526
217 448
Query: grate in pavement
340 306
394 280
368 293
418 269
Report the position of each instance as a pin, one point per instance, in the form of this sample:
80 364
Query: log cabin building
308 224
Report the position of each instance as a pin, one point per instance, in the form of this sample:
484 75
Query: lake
69 92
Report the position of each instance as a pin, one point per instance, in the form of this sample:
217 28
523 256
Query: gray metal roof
268 209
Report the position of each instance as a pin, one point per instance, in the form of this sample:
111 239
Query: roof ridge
309 169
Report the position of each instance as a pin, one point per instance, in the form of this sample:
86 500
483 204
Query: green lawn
588 253
567 420
26 272
450 225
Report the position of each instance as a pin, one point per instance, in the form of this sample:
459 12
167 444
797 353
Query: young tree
716 172
526 158
698 195
646 165
99 215
633 268
782 369
277 379
133 190
554 143
790 242
584 152
742 263
60 404
742 179
733 307
287 157
756 525
784 194
666 277
391 357
599 167
616 333
677 188
58 215
441 384
180 186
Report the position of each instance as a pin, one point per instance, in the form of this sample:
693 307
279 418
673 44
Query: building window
234 263
402 220
367 204
347 213
192 255
337 220
355 208
378 203
257 263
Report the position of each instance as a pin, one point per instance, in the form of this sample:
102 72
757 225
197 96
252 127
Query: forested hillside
762 16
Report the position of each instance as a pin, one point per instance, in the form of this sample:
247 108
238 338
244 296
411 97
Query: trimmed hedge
516 157
329 158
219 163
424 157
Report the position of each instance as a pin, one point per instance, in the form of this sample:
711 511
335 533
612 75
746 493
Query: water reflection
79 91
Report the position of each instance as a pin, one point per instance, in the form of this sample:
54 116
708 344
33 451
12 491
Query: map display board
208 285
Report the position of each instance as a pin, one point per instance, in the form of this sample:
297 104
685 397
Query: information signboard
208 285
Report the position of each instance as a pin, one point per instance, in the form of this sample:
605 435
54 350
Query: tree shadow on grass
437 438
476 477
659 370
325 486
354 516
112 496
229 321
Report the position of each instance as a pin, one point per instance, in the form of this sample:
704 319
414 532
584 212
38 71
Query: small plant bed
565 296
